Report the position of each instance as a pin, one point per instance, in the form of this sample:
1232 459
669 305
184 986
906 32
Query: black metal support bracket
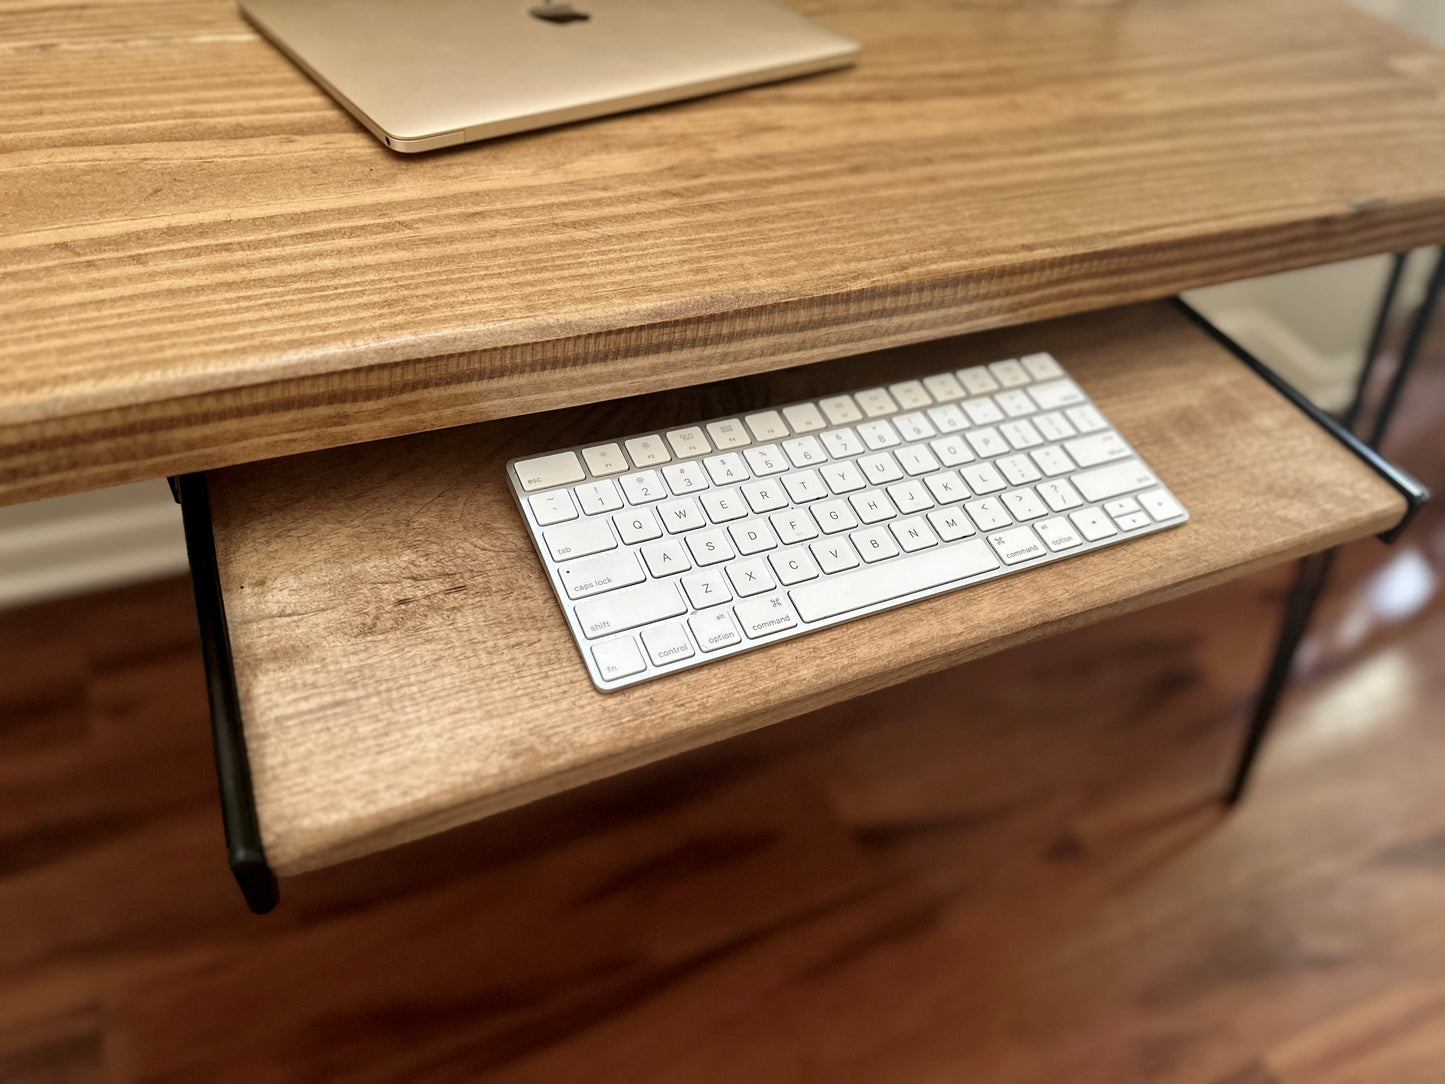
1402 481
244 849
1314 570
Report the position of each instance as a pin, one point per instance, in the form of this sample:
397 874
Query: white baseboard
89 541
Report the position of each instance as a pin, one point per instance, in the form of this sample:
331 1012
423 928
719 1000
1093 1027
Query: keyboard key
1052 460
1100 448
750 577
679 516
598 497
1015 403
753 536
685 478
874 544
1160 505
952 451
987 442
842 443
667 643
728 433
637 526
804 451
946 487
767 425
951 524
834 555
792 566
1041 366
871 586
948 418
1086 418
804 485
665 558
910 395
1059 495
706 589
1021 435
1101 483
1016 546
1058 534
794 525
548 471
767 496
618 658
917 460
977 380
1053 426
983 411
834 516
723 505
573 540
944 387
554 507
1054 394
804 418
1093 524
914 426
1018 470
710 547
714 629
876 402
879 434
619 611
840 410
880 469
726 469
988 513
1132 522
647 451
910 496
872 506
643 488
688 442
842 477
1024 504
605 459
1009 373
762 616
913 534
768 459
982 478
594 575
1122 506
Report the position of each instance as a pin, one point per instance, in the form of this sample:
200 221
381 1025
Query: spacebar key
836 595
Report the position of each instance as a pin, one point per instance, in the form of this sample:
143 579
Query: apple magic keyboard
672 549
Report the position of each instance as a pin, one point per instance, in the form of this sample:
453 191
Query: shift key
620 610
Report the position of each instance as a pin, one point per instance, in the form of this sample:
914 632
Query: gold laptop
423 74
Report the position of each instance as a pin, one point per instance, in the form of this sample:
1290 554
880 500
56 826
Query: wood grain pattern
203 261
403 666
1011 872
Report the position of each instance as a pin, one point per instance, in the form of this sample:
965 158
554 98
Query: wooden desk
204 261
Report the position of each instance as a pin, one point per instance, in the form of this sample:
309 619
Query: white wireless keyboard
671 549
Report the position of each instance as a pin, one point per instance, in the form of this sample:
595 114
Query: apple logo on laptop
559 12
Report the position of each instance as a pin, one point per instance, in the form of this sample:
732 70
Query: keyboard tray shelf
403 667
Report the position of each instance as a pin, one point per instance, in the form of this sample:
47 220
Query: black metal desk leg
1315 569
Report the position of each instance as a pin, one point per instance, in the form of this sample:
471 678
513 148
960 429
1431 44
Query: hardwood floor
1015 871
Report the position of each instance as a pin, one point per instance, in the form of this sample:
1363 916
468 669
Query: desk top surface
204 261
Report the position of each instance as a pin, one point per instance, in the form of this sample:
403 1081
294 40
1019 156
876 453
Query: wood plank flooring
1014 871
